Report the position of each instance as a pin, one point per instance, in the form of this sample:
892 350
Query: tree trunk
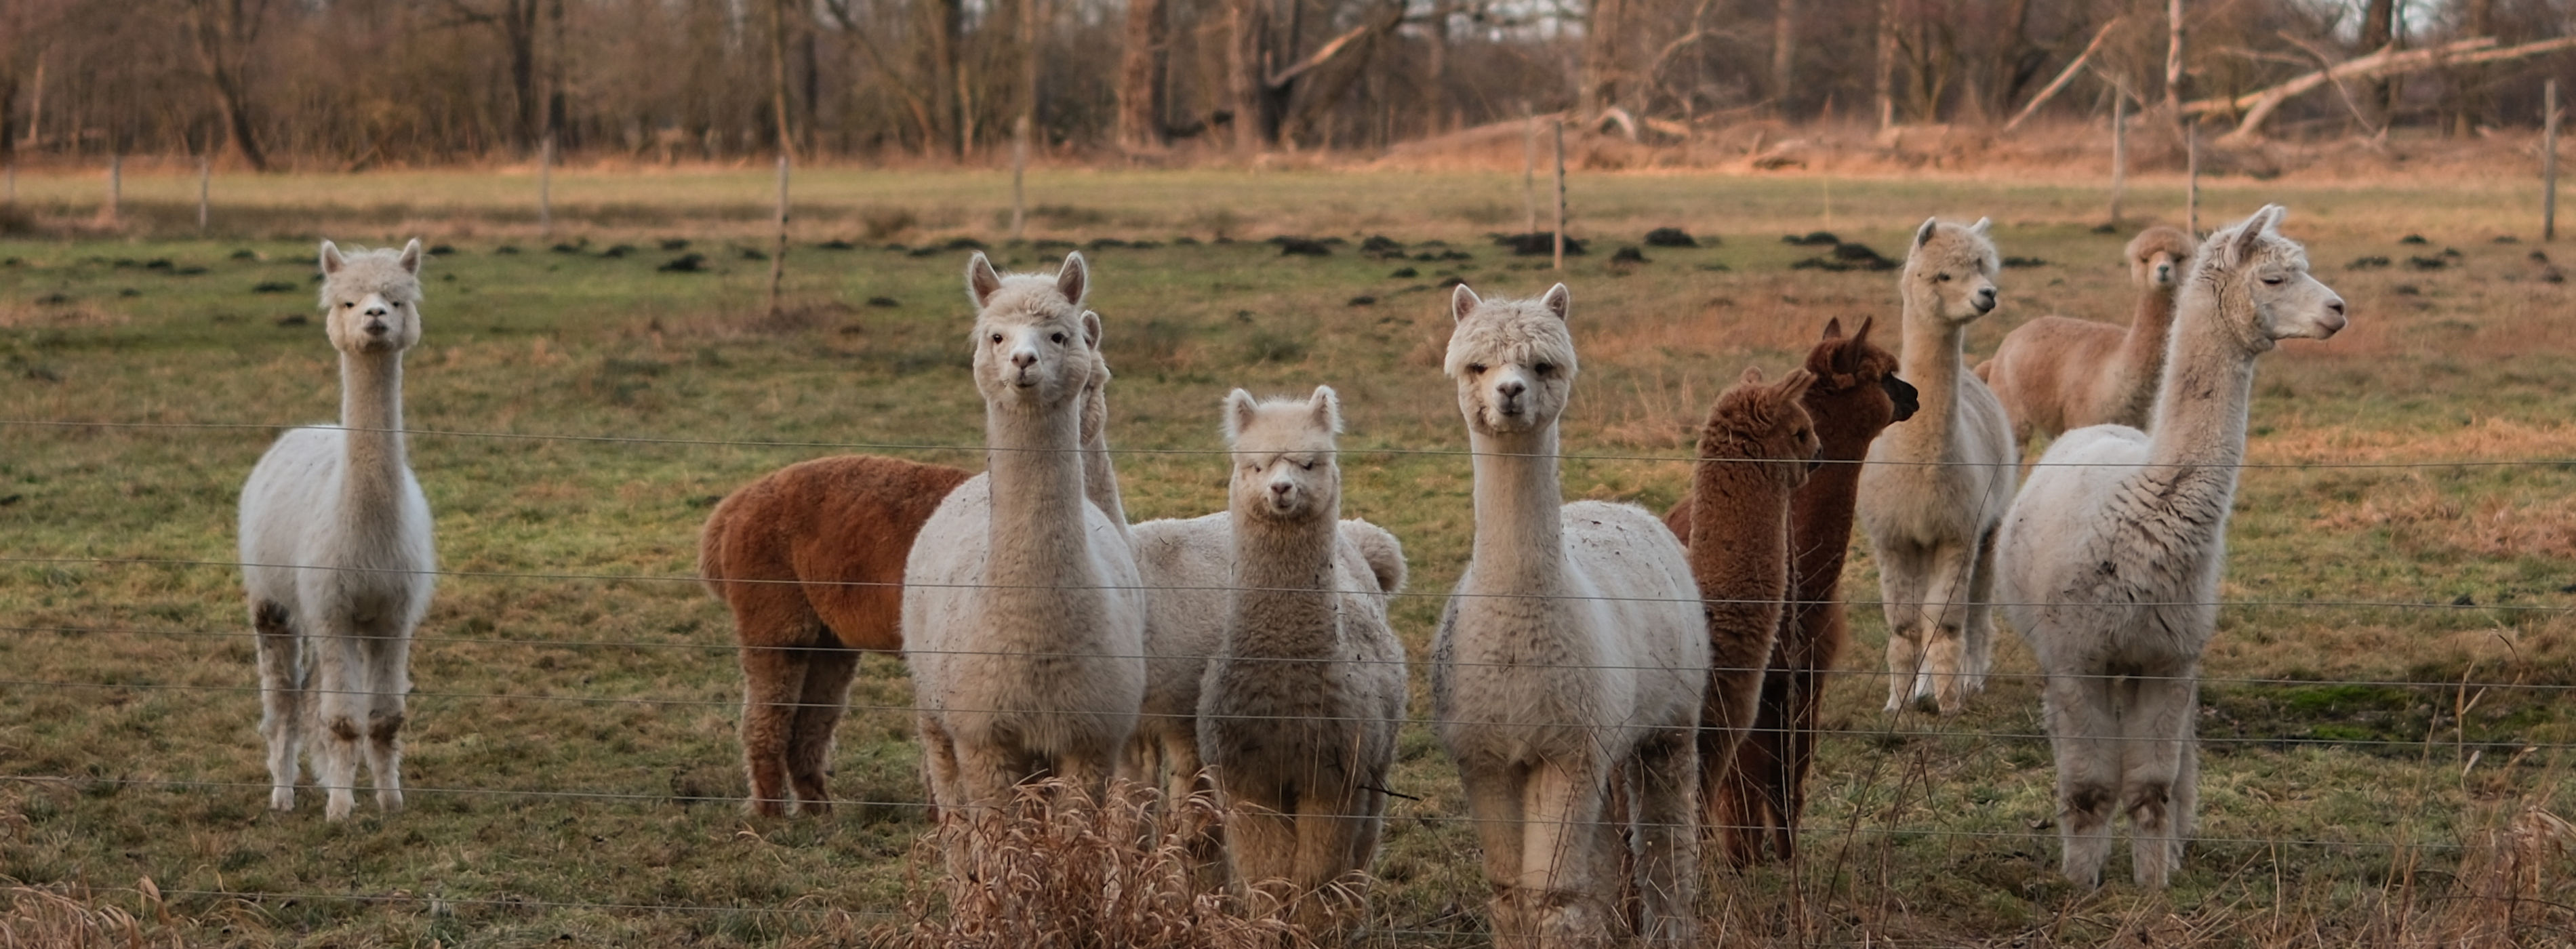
1603 78
1141 69
221 29
2478 19
2173 59
1250 67
518 26
946 22
2378 29
1784 55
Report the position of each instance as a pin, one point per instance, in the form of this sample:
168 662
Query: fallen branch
2258 106
2064 77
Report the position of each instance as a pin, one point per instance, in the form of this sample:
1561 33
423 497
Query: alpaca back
822 542
2054 374
1187 567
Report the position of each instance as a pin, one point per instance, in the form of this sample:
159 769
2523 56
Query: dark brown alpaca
1855 396
1753 454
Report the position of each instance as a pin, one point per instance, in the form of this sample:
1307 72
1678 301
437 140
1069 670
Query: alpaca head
371 298
1766 422
2158 258
1857 393
2261 285
1283 455
1035 346
1513 360
1951 270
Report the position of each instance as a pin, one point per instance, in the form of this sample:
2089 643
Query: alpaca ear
1862 335
1462 302
981 280
1327 409
411 257
2249 235
1983 227
1557 299
1091 330
1239 411
1833 329
1074 278
1794 386
332 261
1923 235
1752 376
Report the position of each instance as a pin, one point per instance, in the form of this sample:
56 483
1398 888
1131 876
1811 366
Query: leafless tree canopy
357 83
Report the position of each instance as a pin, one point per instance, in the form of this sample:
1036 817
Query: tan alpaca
1937 484
1023 612
1571 658
2112 555
336 550
1298 716
2054 374
1753 455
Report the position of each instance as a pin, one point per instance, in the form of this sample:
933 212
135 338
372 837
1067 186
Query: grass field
2386 724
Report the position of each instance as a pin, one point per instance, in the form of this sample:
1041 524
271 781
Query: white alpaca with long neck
336 550
1023 614
2112 554
1936 485
1572 656
1298 714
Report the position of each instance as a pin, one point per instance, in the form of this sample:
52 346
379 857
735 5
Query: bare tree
225 32
1142 66
515 22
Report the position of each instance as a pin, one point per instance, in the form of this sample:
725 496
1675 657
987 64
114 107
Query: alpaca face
2272 271
1513 360
1035 346
1769 423
2159 257
371 298
1954 268
1283 455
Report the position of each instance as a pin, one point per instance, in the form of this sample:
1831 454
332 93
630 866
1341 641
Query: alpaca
810 559
1753 455
1935 487
1023 614
2112 555
1298 714
1856 395
1571 657
2055 374
336 549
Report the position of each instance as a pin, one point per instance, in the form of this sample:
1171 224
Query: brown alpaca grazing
1753 454
2055 375
1855 396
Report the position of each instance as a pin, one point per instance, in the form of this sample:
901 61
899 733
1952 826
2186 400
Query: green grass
2327 806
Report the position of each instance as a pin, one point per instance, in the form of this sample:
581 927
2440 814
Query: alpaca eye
346 305
1545 368
1943 278
997 339
1475 369
2272 281
1308 465
1058 338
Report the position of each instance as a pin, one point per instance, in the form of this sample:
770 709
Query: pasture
2385 721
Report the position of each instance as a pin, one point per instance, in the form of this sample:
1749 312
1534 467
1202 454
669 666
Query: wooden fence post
2119 153
1560 193
2549 161
546 189
205 175
778 259
115 187
1019 174
1529 170
2191 166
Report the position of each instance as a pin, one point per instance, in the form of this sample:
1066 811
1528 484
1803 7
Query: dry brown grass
71 916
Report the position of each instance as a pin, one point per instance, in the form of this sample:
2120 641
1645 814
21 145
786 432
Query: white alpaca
2111 556
1298 715
1573 656
1936 485
336 551
1023 615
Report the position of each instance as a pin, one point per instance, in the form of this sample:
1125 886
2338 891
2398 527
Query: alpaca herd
1616 691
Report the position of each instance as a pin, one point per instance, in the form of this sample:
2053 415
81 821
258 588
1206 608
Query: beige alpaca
1937 484
2054 374
1298 715
336 550
1572 657
2112 555
1023 613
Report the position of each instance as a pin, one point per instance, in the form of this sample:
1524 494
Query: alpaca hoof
281 799
816 808
389 801
767 807
339 806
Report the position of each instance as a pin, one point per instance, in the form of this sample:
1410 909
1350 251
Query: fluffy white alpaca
336 551
1572 655
1936 485
1023 615
2111 556
1298 715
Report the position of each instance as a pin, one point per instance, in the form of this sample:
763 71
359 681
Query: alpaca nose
376 311
1986 300
1512 389
1024 359
1281 488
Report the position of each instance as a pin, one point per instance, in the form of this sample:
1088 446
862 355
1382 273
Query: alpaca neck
2142 352
1099 472
1934 353
1820 513
1520 537
1743 510
371 421
1039 532
2208 385
1285 597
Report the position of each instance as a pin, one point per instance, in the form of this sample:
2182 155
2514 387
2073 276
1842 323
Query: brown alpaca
2055 375
1856 395
1753 454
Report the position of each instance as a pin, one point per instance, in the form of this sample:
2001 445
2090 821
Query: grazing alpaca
1753 455
1935 487
1023 615
810 558
1298 715
1571 657
336 551
2054 374
2112 554
1855 396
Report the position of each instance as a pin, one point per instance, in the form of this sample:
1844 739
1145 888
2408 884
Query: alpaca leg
1261 849
2084 734
1738 818
1561 854
1667 845
281 700
1978 627
1947 657
947 792
828 671
1902 568
1805 709
340 712
2156 730
773 681
1326 823
388 665
1495 805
